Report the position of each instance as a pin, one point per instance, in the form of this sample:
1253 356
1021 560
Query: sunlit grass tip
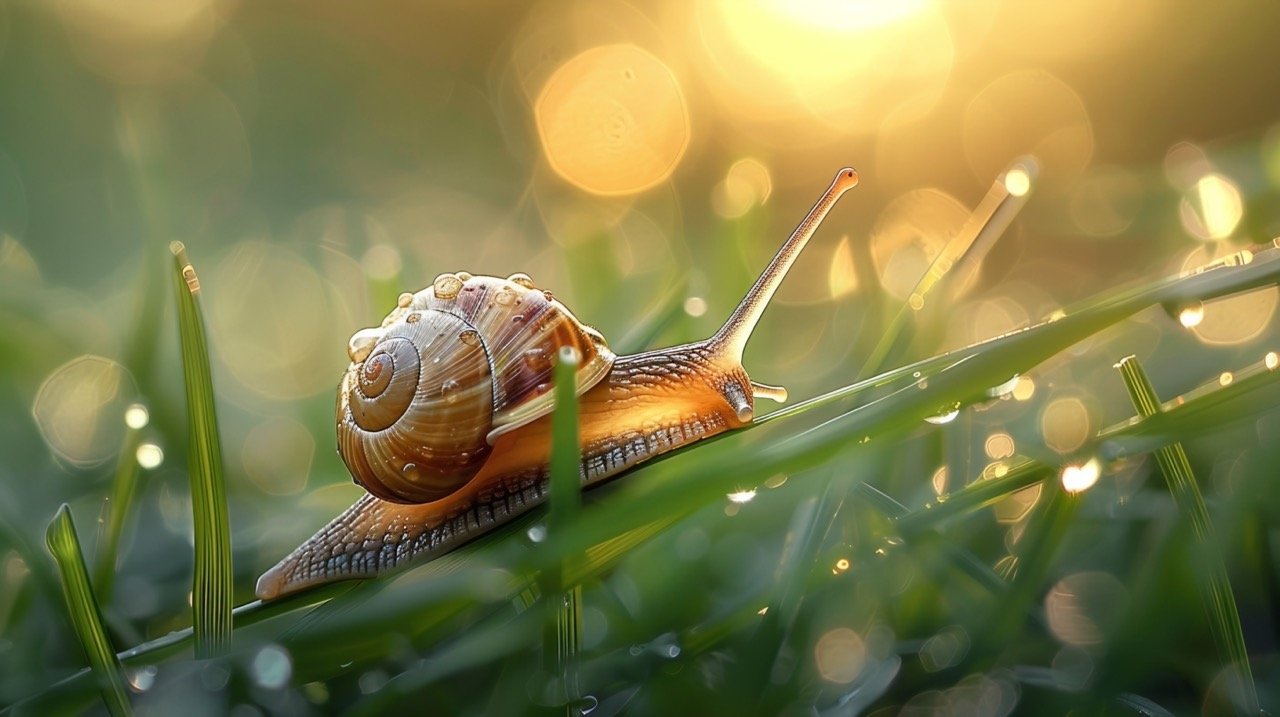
211 599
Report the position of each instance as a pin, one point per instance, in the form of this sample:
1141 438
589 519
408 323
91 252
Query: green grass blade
85 615
976 495
562 640
1215 589
211 600
1035 552
123 485
988 221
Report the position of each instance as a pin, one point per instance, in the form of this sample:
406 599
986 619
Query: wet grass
861 599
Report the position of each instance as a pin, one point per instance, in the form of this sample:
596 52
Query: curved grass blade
123 485
985 224
85 615
1215 588
211 599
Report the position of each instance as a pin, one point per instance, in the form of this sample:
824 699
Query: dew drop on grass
271 667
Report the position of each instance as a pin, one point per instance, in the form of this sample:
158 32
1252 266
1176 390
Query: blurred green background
319 158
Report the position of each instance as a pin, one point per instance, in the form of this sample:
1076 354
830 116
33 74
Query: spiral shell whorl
413 415
385 385
450 369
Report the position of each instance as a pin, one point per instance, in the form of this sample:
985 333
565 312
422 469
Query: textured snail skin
632 408
678 395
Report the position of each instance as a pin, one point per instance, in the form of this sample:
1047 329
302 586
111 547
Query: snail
443 415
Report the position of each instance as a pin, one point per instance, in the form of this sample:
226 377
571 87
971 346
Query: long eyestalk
732 338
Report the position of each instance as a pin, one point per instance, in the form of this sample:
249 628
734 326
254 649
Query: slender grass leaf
987 222
1215 589
211 600
85 615
123 486
562 641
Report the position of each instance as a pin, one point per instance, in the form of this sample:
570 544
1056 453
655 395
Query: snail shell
451 369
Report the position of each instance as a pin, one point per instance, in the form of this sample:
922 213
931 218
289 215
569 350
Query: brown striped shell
450 369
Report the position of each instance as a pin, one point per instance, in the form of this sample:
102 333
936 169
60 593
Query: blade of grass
1016 351
985 224
562 637
1046 527
1215 588
85 615
123 485
211 599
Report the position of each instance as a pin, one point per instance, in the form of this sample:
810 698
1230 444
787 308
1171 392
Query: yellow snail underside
425 500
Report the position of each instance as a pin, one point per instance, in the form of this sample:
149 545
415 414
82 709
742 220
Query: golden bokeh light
939 481
613 120
999 446
142 41
1213 209
747 184
838 62
842 277
277 456
78 407
910 233
1024 388
1065 424
276 328
1082 606
840 655
1079 478
1184 164
1018 182
1017 505
1232 319
1028 112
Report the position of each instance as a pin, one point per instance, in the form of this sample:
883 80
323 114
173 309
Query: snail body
444 412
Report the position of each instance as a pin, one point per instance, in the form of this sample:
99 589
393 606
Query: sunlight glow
1079 478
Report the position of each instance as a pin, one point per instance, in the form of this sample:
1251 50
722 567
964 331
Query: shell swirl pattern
450 369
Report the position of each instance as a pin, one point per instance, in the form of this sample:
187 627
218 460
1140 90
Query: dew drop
361 344
504 297
469 337
409 468
405 299
464 276
1191 315
943 418
413 318
451 390
521 279
537 358
517 319
447 286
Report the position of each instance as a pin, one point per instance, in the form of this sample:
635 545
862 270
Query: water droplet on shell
447 286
